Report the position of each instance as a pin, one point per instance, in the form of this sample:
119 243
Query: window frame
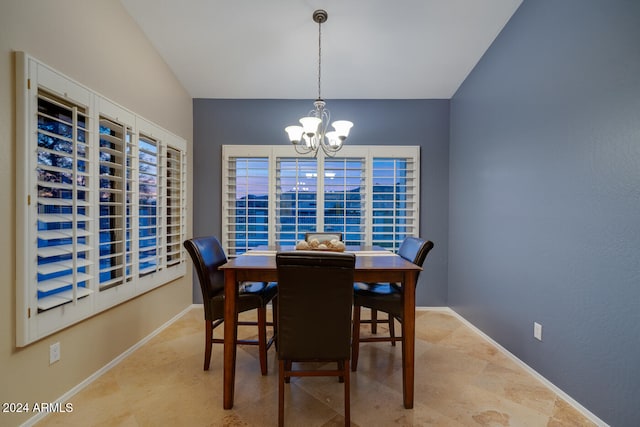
275 152
33 79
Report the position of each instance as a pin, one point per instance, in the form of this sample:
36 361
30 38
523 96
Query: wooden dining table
372 265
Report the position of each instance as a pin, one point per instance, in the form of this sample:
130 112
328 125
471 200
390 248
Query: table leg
230 336
409 337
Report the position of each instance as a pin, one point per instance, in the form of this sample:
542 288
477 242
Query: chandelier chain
319 56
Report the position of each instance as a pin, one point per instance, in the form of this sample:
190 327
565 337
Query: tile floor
461 380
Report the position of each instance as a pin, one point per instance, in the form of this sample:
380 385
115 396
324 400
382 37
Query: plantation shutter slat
59 250
64 297
61 266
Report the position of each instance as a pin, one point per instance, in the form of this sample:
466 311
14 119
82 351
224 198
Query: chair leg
274 312
355 338
208 342
347 395
374 321
262 339
281 368
341 368
392 330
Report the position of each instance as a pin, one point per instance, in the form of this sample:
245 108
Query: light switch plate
537 331
54 353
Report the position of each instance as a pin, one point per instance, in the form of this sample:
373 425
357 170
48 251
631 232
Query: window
115 210
344 198
63 202
370 194
247 203
175 209
394 209
296 198
100 199
148 170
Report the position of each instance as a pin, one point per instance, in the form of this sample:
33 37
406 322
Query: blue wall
425 123
545 198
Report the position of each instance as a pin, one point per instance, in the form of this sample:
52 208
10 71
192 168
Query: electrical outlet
54 353
537 331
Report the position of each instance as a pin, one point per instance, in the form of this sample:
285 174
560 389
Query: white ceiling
371 49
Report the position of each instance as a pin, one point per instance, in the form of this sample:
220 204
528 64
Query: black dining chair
207 255
310 285
385 297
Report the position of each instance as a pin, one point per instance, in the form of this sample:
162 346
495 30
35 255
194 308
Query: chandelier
313 135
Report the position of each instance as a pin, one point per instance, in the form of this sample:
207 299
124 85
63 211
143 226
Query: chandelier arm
330 151
330 154
325 116
306 150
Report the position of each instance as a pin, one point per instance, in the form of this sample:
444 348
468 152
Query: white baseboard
68 395
584 411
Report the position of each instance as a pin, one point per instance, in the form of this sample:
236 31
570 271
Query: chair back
315 296
207 255
415 250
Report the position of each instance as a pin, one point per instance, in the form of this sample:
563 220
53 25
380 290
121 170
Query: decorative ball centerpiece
333 245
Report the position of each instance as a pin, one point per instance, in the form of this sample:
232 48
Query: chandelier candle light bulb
313 135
